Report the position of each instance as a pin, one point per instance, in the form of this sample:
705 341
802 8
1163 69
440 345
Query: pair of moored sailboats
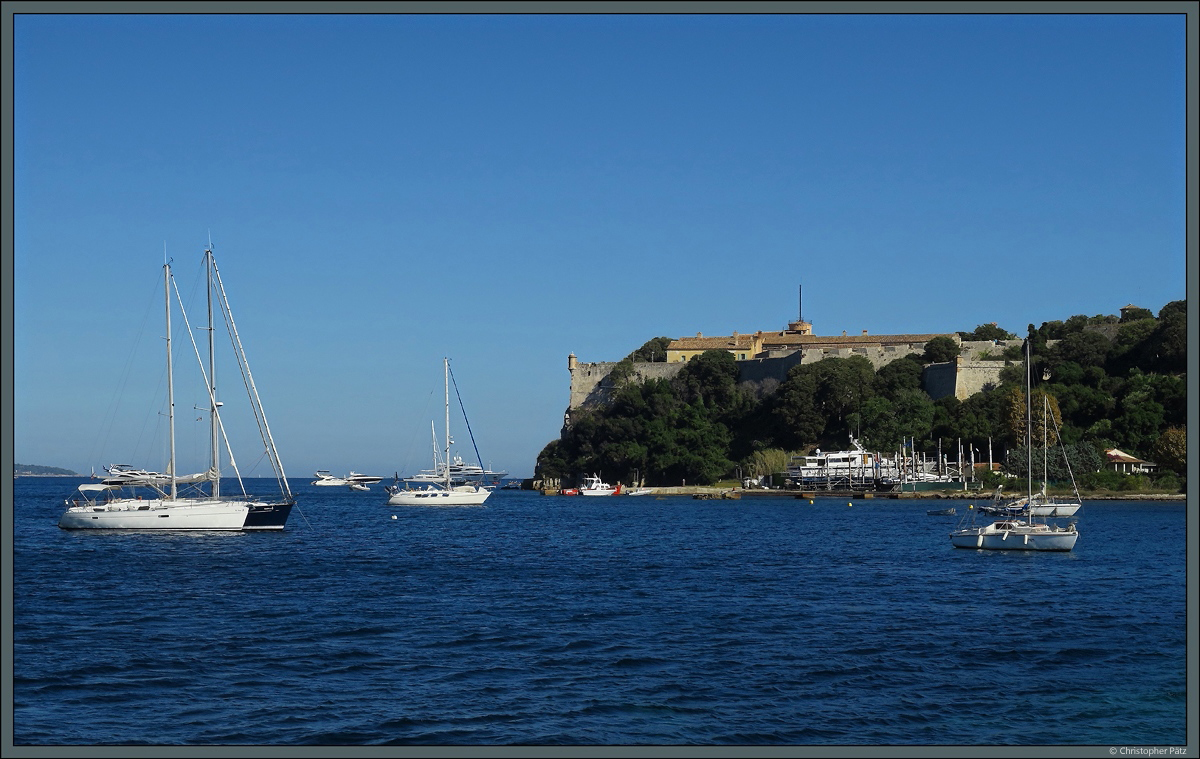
188 502
1024 523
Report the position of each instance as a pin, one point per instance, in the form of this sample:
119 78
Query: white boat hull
130 514
464 496
1055 510
1019 538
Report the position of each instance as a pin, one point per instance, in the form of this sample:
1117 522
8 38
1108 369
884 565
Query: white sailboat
444 492
1040 504
1023 532
115 503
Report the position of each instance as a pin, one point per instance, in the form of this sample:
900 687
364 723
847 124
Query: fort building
770 355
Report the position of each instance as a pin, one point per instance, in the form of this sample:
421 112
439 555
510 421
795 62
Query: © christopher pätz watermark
1147 751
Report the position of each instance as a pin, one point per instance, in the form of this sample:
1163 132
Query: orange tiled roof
731 342
788 338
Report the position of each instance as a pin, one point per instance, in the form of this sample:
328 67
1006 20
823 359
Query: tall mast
1029 420
215 454
170 379
446 367
1045 442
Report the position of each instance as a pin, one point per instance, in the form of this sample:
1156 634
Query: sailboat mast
170 380
446 368
215 454
1028 421
1045 442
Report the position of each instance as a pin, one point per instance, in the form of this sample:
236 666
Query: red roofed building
1120 461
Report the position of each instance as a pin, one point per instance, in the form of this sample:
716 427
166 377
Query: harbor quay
717 493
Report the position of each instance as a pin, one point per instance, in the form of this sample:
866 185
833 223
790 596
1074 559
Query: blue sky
385 190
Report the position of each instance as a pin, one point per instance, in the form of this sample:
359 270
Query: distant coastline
37 470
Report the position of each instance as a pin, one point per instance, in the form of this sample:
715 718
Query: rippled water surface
541 620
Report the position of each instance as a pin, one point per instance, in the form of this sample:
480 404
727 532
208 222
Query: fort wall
961 378
592 385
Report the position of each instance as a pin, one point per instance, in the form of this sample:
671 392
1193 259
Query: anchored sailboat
114 502
444 492
1027 530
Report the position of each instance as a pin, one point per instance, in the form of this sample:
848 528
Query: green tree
1174 308
881 430
988 332
1082 348
940 349
653 350
900 375
698 450
1170 450
1018 418
799 424
550 462
969 421
1014 421
914 414
767 461
1165 349
843 384
713 376
1139 417
1129 348
1080 406
622 373
1075 324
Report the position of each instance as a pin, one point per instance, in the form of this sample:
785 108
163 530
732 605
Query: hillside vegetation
37 469
1108 382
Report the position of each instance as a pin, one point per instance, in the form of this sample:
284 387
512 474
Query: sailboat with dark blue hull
267 514
188 502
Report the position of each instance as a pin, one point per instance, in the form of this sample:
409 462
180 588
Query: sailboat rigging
105 505
443 491
1021 530
461 473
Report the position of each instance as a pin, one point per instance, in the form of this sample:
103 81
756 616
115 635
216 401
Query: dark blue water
579 621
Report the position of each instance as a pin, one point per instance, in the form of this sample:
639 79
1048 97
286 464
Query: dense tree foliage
654 349
1170 451
940 350
1106 381
987 332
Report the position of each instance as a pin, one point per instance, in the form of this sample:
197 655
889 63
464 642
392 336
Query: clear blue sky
386 190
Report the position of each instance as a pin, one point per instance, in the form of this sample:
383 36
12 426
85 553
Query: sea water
551 620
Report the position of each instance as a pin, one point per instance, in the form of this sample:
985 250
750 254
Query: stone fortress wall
970 373
591 385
